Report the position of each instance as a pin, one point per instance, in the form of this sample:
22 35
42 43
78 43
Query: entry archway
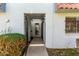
28 17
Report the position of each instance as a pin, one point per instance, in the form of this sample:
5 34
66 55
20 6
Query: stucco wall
15 13
62 39
55 36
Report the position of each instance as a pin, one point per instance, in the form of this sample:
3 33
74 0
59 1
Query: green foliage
13 36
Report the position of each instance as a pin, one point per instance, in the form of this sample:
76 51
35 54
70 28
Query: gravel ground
63 52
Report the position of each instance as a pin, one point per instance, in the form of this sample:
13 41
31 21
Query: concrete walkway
37 48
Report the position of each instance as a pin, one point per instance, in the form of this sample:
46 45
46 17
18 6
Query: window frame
73 21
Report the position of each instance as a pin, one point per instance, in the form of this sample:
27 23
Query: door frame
30 16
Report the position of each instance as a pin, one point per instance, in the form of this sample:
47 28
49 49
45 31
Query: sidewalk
37 48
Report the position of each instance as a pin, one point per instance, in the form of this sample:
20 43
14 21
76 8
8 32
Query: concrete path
37 48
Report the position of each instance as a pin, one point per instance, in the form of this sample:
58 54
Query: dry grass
12 44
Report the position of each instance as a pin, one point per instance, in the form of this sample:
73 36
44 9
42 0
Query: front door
36 27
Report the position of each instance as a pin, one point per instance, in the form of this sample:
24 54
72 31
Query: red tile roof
67 5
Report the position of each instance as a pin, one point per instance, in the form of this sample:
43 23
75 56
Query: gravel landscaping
63 52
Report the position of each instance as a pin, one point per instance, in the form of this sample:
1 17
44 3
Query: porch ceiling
35 15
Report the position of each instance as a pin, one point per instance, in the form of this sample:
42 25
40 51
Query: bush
12 44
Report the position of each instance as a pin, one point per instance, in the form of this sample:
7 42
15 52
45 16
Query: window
2 7
72 25
77 25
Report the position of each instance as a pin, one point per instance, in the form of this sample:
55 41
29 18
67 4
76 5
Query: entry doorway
34 26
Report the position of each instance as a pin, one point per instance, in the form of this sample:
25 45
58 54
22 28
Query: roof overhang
67 7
